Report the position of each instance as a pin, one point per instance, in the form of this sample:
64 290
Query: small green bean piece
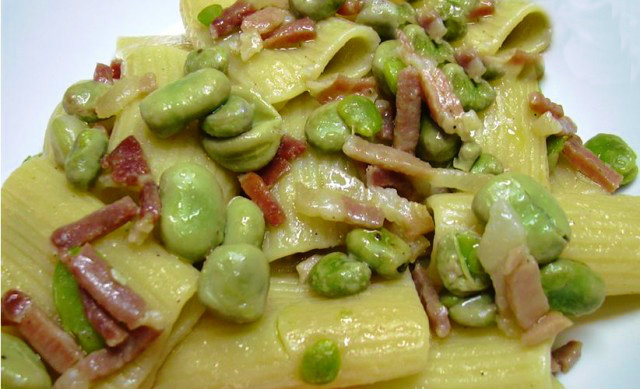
231 119
467 156
250 151
320 362
387 65
434 144
477 311
245 223
82 165
22 368
555 144
487 164
361 115
192 219
208 14
337 275
614 151
234 282
385 252
545 224
472 95
458 265
216 57
454 13
64 131
422 43
449 300
80 99
68 302
407 14
315 9
381 15
325 129
572 287
169 109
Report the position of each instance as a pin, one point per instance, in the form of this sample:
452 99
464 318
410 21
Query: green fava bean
381 15
337 275
82 164
81 98
545 224
385 252
572 287
473 96
245 223
22 368
449 300
615 152
454 13
440 52
361 115
320 362
458 265
435 145
64 131
487 164
325 129
477 311
315 9
231 119
555 145
68 302
208 14
234 282
387 65
192 219
169 109
216 57
467 156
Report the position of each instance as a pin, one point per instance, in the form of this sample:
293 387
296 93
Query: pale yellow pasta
382 333
566 179
126 44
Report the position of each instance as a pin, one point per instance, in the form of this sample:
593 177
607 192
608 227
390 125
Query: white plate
592 69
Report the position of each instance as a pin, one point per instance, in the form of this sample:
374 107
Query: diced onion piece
304 268
123 92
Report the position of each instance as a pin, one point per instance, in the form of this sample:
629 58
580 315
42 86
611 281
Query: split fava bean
467 156
440 52
216 57
169 109
472 95
320 362
63 133
361 115
325 129
385 252
22 368
381 15
545 224
80 99
487 164
387 65
435 145
572 287
476 311
337 275
82 164
614 151
245 223
192 219
458 265
234 282
315 9
232 118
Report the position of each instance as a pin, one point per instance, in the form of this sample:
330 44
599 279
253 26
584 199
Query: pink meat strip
150 205
362 214
388 122
103 73
231 19
547 327
291 34
265 21
344 86
541 105
408 107
127 163
102 322
289 149
376 176
590 165
432 23
482 9
53 344
565 357
253 185
523 289
437 313
351 8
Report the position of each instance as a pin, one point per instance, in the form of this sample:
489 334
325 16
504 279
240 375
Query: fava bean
381 15
473 96
477 311
458 265
245 223
81 98
572 287
216 57
234 282
454 13
315 9
545 224
467 156
614 151
487 164
250 151
435 145
385 252
337 275
387 65
208 14
320 362
21 367
422 43
64 131
555 144
231 119
325 129
361 115
169 109
407 14
82 164
192 219
449 300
